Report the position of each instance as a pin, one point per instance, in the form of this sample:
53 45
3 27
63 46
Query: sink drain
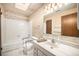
51 47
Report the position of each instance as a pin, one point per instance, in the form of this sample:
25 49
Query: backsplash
72 41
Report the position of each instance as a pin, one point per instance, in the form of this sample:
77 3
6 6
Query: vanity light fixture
50 7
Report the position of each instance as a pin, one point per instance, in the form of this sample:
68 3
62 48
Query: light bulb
60 5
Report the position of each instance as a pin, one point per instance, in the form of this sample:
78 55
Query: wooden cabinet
35 51
49 26
40 51
69 25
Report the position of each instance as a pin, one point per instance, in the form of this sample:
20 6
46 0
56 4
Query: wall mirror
52 22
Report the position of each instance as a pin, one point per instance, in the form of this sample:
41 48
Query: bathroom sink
41 40
48 44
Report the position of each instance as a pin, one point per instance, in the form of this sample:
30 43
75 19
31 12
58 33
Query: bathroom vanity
64 23
47 48
41 51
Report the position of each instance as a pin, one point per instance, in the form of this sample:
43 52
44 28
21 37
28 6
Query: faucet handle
53 41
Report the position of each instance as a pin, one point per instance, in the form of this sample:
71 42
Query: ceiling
33 7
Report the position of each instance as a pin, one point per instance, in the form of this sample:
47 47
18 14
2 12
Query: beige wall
37 21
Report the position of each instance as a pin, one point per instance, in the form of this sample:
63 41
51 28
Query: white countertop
59 49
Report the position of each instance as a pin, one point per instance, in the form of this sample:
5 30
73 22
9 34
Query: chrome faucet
53 41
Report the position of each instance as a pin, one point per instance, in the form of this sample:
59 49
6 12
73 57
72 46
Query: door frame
0 31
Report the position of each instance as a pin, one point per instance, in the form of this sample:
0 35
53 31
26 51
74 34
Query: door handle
0 48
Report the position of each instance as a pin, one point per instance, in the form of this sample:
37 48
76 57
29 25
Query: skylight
22 6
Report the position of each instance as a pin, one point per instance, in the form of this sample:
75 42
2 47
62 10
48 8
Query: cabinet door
69 25
35 52
41 53
49 26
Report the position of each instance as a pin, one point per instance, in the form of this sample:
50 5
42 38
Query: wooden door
49 26
0 32
69 25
